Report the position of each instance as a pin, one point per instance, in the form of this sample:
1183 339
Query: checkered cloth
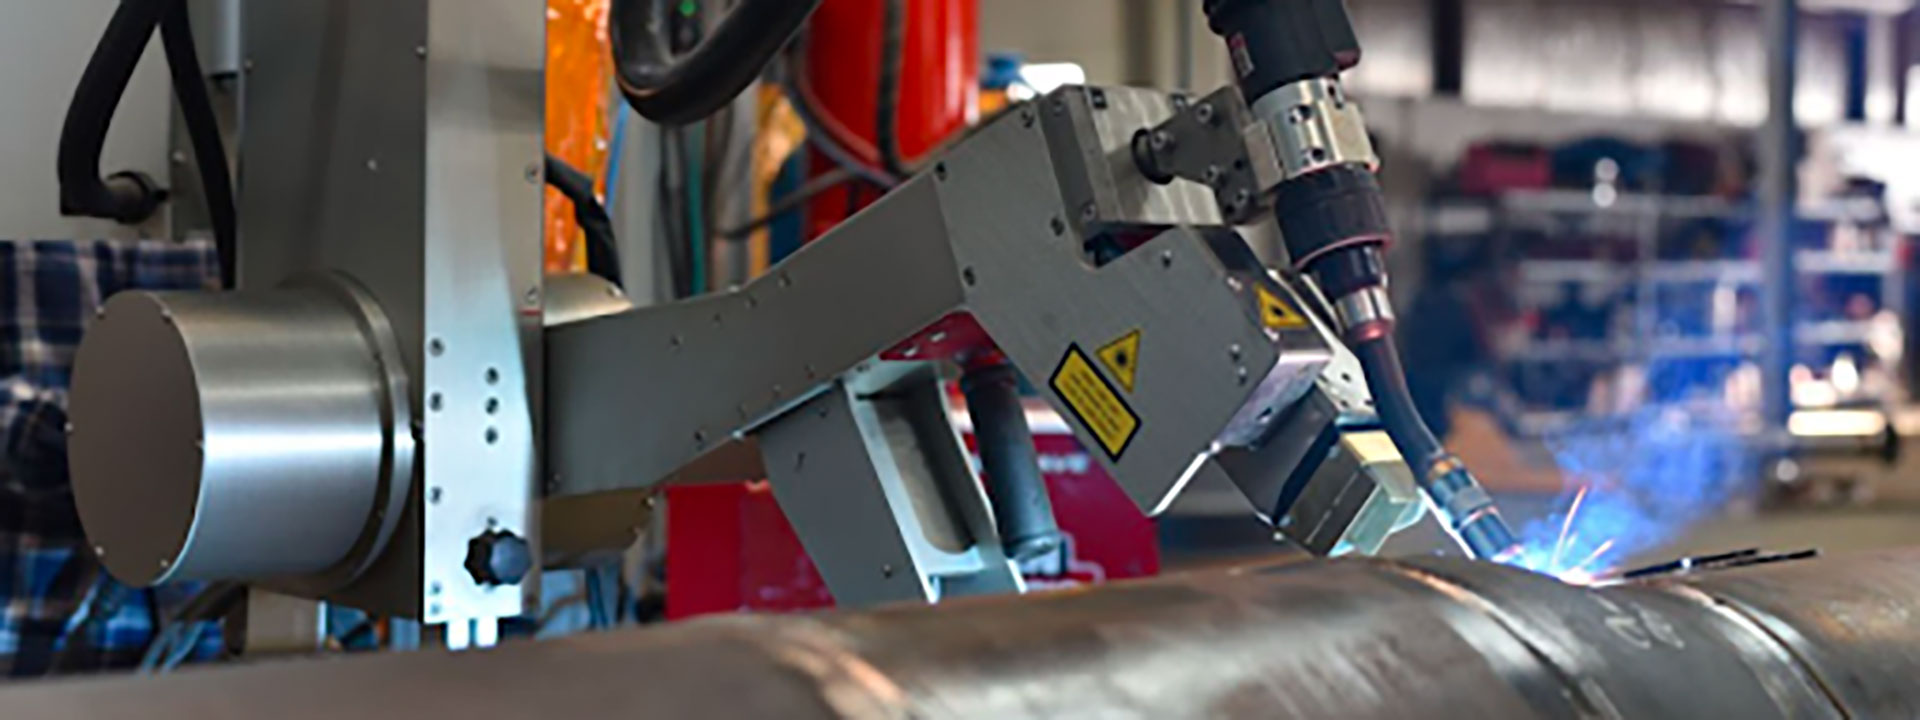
61 610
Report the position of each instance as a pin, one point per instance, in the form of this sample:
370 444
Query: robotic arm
381 417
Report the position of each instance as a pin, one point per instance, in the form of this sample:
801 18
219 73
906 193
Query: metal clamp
1210 142
1314 126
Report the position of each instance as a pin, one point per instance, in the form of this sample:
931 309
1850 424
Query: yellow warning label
1122 357
1094 402
1275 313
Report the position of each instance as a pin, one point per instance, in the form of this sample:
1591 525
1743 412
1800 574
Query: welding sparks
1637 480
1597 552
1579 573
1567 525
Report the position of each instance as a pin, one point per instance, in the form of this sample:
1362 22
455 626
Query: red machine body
728 546
939 85
729 549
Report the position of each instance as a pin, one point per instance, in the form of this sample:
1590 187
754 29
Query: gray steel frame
399 142
717 388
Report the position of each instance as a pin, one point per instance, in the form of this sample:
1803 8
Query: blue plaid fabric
51 586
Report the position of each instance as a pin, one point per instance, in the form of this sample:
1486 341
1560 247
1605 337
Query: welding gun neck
1277 42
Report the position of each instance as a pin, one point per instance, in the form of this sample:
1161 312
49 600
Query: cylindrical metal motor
255 435
1825 638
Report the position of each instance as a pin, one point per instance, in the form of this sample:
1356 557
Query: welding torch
1287 57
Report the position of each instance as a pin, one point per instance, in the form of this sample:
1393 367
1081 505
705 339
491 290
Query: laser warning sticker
1094 402
1121 357
1275 313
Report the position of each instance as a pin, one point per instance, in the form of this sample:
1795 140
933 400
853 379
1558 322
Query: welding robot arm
1290 143
1052 241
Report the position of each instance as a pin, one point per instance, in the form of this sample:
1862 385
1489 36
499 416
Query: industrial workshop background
562 334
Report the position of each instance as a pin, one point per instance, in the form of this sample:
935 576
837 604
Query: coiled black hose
124 197
131 197
603 256
677 92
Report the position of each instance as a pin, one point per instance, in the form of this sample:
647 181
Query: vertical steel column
1184 13
1779 153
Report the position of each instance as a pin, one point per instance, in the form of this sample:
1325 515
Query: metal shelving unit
1636 225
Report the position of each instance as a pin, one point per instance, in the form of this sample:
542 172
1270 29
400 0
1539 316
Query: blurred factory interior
347 327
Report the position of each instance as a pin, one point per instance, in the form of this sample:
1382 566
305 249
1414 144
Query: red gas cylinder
939 86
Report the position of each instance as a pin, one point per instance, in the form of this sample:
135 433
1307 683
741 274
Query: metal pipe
1428 637
1779 159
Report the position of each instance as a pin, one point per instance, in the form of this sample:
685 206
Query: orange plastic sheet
579 68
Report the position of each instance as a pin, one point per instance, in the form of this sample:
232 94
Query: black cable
1460 502
603 254
792 201
1380 363
128 197
893 33
677 92
670 201
821 140
209 152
